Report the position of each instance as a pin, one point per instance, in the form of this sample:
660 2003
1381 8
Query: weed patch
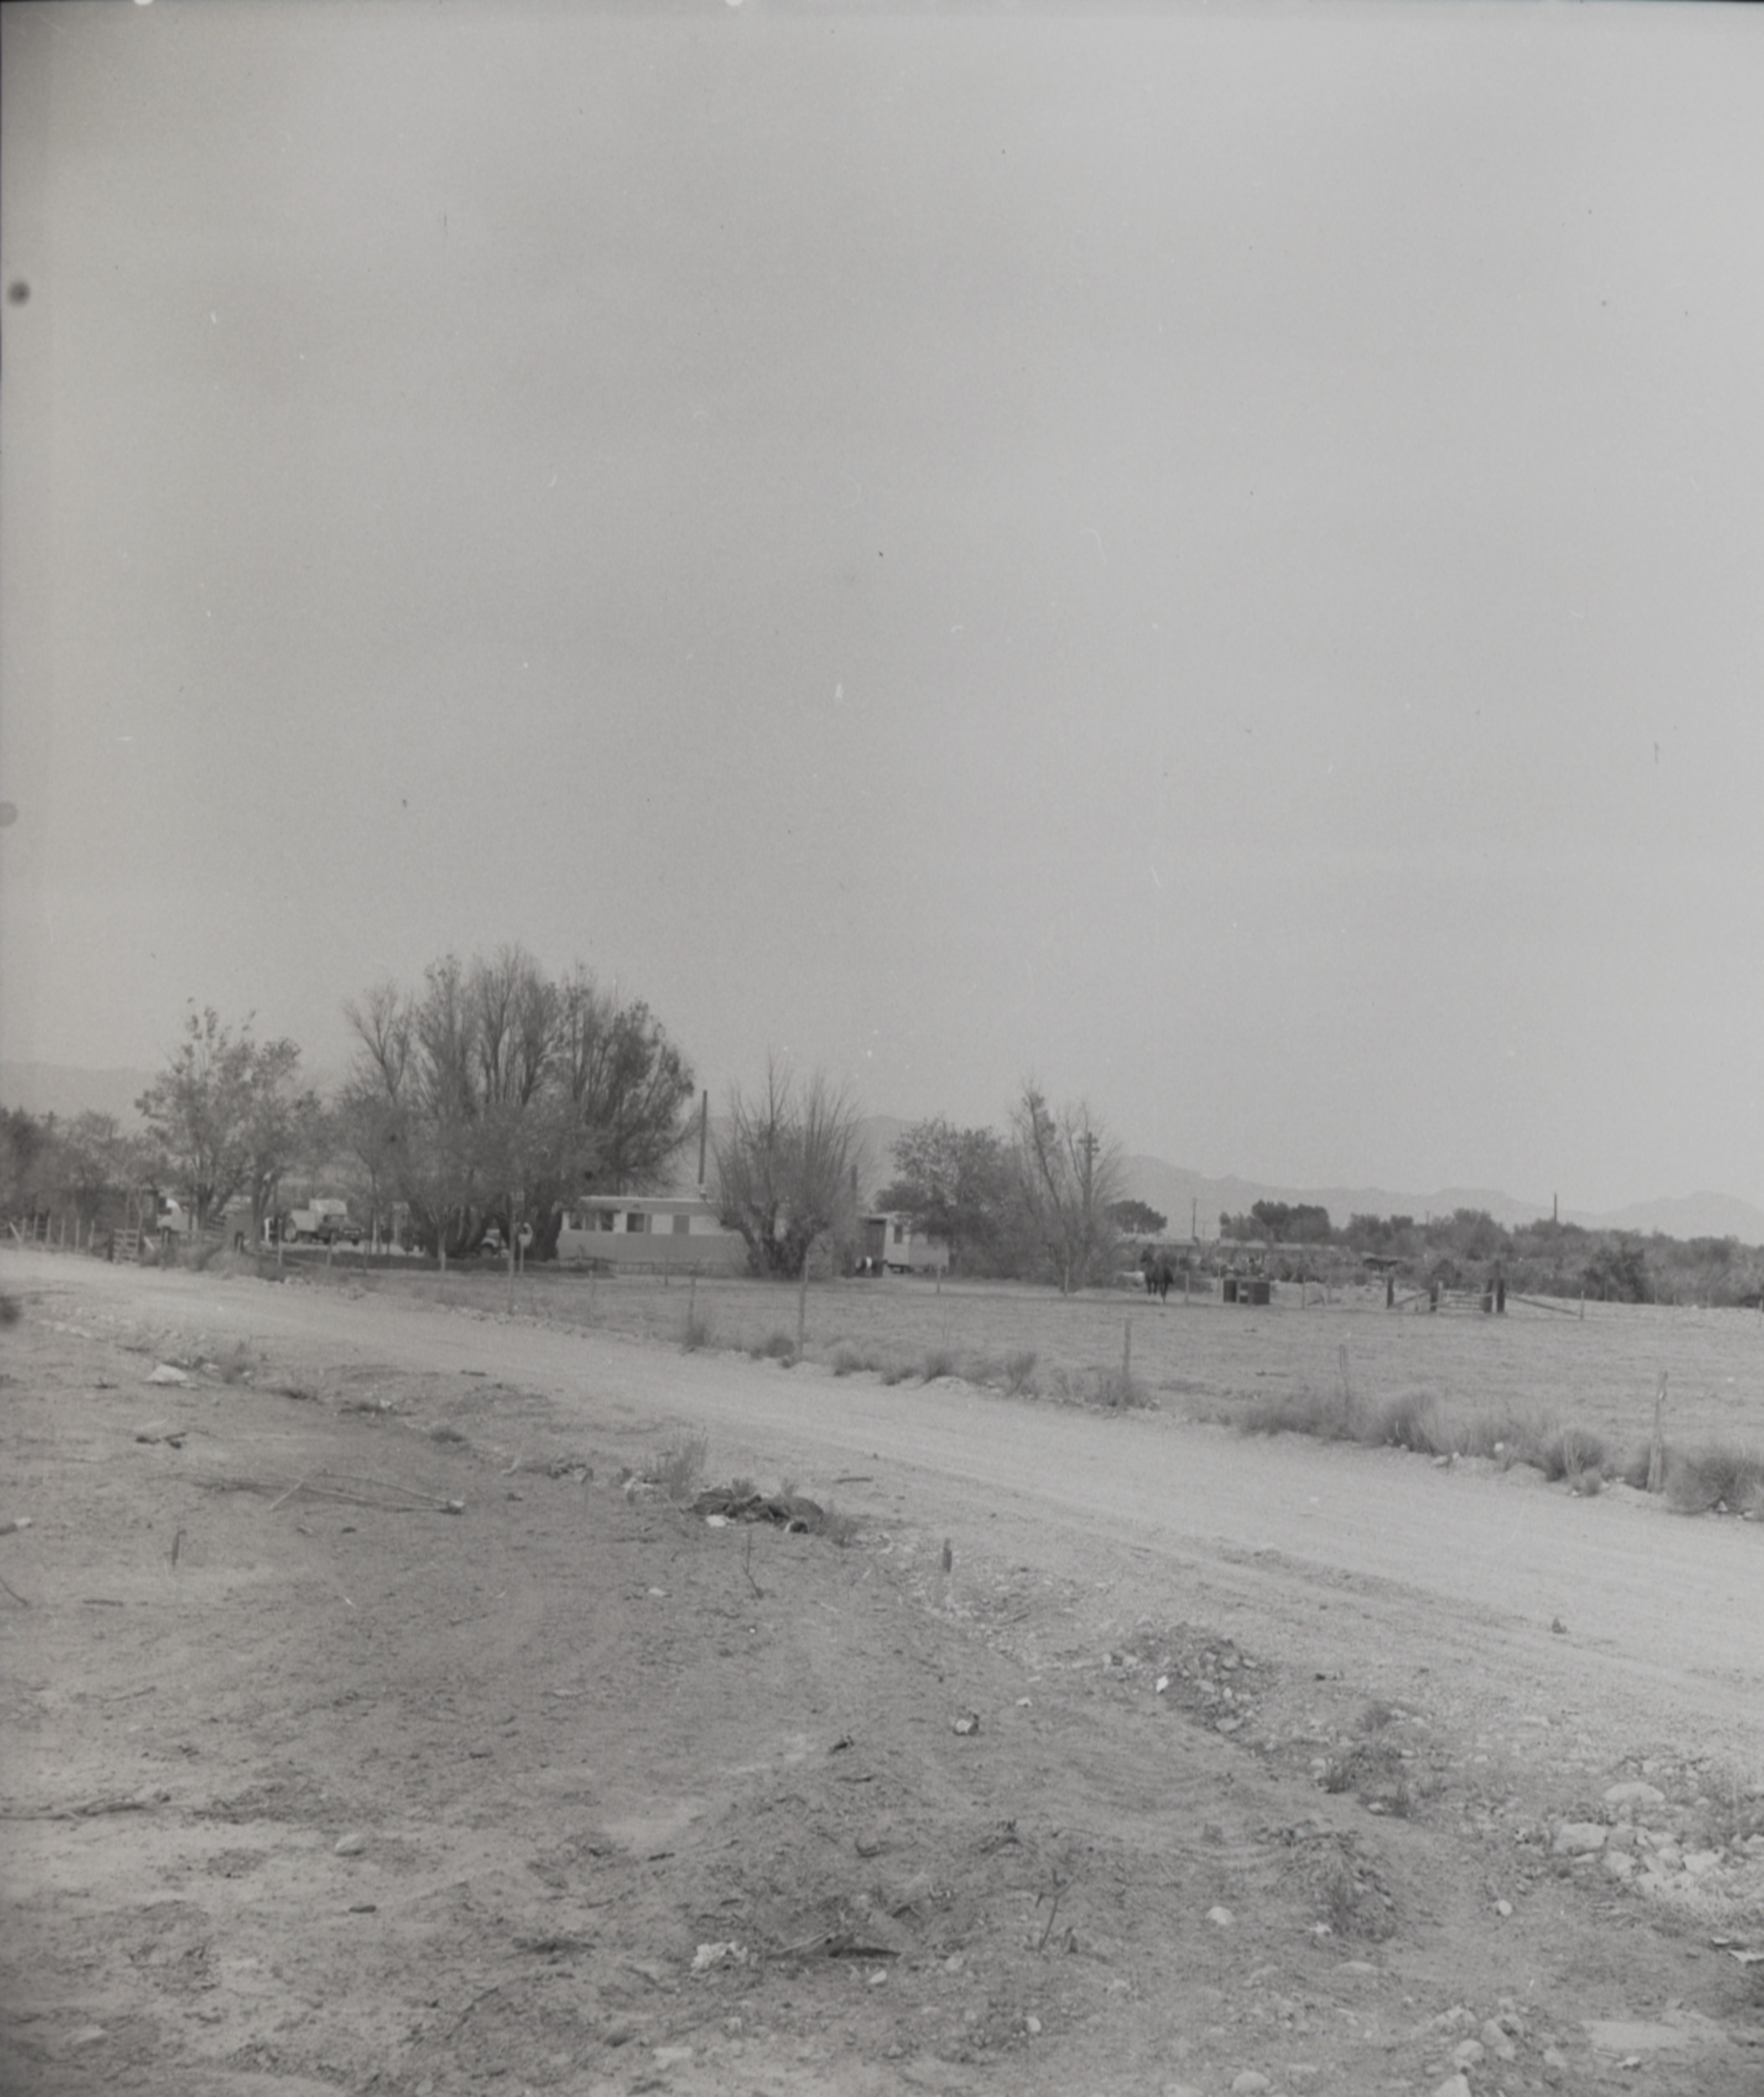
1721 1478
698 1331
1326 1415
1020 1373
679 1465
939 1362
1569 1453
1119 1392
1408 1424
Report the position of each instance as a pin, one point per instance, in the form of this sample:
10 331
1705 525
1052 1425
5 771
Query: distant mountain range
1183 1196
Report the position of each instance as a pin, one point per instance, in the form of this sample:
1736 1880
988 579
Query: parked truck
326 1221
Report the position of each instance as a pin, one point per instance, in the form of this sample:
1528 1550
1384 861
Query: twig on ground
16 1595
1059 1893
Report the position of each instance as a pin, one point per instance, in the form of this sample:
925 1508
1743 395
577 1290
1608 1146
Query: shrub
1019 1368
1568 1452
837 1527
848 1361
779 1346
1720 1475
939 1362
1328 1415
238 1366
1119 1390
1406 1423
1498 1435
896 1372
678 1465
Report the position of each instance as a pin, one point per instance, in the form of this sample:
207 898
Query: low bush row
1718 1478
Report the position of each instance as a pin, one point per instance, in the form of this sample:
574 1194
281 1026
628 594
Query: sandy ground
369 1728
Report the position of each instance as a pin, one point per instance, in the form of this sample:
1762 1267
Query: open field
1208 1359
374 1724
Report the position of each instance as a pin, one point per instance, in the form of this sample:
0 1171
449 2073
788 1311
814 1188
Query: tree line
485 1101
1544 1258
491 1095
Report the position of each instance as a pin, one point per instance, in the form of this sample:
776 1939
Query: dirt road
369 1728
1377 1564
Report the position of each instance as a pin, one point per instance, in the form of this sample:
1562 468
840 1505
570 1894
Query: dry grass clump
938 1361
1718 1478
779 1346
1329 1415
850 1361
1571 1453
895 1373
1020 1372
679 1465
1352 1903
1119 1392
1408 1424
696 1332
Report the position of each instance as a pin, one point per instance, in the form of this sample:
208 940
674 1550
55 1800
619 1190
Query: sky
1207 556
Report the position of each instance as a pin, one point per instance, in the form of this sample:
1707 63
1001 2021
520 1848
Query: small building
681 1233
893 1241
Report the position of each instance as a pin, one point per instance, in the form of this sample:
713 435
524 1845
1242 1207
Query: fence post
1656 1450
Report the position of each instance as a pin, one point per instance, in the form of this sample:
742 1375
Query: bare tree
787 1163
491 1094
1068 1173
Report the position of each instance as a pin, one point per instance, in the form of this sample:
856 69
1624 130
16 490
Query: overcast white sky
1211 555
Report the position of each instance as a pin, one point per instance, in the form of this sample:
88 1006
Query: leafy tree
1288 1223
100 1168
1618 1272
1067 1173
493 1093
955 1185
787 1166
27 1148
1138 1220
229 1116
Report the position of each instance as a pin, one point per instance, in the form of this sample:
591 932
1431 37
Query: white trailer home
892 1242
647 1233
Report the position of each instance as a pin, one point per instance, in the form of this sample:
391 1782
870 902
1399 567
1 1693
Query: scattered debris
165 1372
708 1957
789 1511
964 1723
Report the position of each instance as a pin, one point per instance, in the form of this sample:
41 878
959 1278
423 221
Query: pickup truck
326 1223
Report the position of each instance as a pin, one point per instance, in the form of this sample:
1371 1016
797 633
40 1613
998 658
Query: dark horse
1158 1273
